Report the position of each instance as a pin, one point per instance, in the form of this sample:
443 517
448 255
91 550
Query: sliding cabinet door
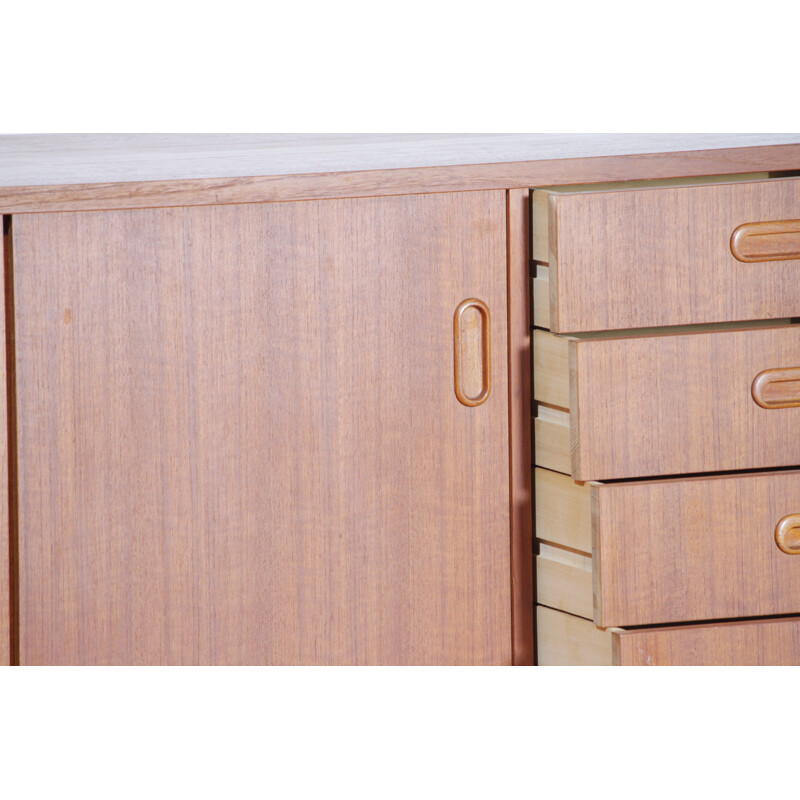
238 436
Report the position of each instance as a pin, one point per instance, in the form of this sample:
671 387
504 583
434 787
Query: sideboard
400 399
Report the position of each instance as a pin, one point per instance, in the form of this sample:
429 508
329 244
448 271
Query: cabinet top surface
61 159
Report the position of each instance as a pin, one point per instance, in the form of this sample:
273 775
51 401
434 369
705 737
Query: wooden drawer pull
767 241
787 534
777 388
472 341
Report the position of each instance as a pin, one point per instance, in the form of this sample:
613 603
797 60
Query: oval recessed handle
472 351
777 388
787 534
766 241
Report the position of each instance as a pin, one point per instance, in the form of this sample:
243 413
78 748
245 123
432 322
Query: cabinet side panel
5 561
239 441
519 377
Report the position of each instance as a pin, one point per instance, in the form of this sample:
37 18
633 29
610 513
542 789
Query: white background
374 67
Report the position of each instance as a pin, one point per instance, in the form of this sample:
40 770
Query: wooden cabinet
672 434
239 442
282 404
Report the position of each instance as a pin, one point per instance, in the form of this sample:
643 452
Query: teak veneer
625 405
676 550
679 300
226 455
667 256
566 640
278 400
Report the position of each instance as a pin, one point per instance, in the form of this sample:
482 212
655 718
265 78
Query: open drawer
564 640
632 257
650 404
657 552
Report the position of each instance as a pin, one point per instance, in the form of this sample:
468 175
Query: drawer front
773 642
677 404
669 551
695 549
567 640
671 256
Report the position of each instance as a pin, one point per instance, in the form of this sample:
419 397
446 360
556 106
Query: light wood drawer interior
566 640
633 256
540 297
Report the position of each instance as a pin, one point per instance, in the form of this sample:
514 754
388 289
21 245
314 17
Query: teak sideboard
386 399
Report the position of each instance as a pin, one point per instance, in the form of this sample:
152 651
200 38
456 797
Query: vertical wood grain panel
239 440
520 412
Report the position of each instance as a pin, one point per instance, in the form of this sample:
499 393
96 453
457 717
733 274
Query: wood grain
381 182
694 549
540 232
519 415
541 202
237 447
551 369
564 581
563 510
632 417
6 604
552 440
659 257
540 302
565 640
772 642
